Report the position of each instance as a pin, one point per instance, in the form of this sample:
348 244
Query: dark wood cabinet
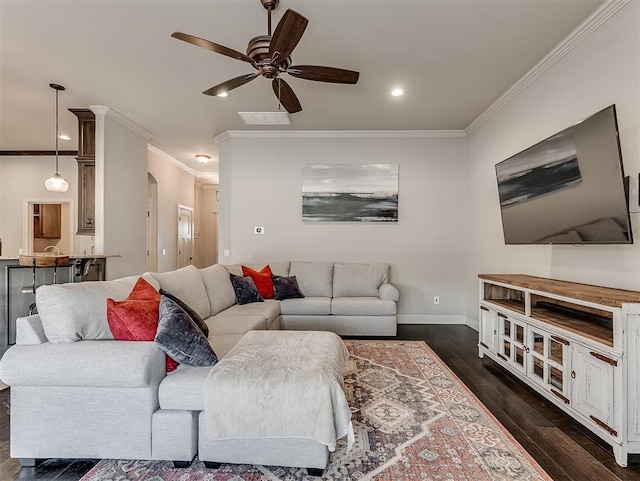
47 221
86 170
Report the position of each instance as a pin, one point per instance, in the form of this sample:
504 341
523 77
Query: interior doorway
48 223
185 236
152 223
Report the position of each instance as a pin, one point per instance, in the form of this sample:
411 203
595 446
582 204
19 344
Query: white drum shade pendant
56 182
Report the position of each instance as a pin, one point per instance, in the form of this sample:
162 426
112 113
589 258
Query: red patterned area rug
413 420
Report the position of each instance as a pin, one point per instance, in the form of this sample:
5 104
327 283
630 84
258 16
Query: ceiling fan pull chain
279 87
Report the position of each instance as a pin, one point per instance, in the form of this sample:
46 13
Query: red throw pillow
136 317
261 279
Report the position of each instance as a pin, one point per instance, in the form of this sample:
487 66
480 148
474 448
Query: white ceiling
453 58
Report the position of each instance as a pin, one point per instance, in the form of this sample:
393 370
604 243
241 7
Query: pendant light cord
57 92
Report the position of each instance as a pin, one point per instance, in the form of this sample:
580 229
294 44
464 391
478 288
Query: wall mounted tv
567 189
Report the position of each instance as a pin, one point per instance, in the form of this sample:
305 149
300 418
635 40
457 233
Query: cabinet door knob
573 374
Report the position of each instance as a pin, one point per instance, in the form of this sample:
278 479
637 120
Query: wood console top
599 295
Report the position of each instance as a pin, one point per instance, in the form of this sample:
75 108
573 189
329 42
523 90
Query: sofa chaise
77 393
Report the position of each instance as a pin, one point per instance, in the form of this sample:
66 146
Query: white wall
261 179
601 70
175 186
22 180
121 197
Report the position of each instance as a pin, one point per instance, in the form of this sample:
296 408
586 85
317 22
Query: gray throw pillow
246 290
180 338
192 314
286 288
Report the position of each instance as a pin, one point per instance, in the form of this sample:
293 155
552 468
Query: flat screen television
567 189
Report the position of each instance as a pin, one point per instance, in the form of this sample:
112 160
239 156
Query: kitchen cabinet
47 221
86 171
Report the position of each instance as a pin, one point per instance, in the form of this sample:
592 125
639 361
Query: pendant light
56 182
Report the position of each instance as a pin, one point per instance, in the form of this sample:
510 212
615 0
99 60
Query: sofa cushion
75 311
180 338
136 317
85 364
259 315
314 278
218 286
306 306
286 288
262 280
184 388
359 280
235 324
362 306
186 283
246 290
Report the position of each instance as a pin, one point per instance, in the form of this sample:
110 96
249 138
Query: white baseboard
437 319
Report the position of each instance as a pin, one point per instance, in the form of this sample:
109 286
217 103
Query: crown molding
575 38
167 157
122 120
369 134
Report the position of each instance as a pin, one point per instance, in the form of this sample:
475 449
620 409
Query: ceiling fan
271 56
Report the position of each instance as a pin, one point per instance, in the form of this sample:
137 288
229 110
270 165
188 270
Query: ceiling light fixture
64 137
56 182
203 159
397 92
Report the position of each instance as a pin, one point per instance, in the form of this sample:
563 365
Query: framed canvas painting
350 193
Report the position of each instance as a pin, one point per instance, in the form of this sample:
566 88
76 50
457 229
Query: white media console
576 344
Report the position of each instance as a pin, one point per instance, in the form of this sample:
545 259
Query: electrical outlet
258 230
436 299
226 252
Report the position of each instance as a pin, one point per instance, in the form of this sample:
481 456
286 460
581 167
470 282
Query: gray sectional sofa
77 393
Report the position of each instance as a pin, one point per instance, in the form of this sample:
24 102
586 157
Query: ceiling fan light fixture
397 92
203 159
56 182
265 118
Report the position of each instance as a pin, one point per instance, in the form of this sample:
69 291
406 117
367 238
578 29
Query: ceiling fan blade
287 35
286 96
230 84
324 74
214 47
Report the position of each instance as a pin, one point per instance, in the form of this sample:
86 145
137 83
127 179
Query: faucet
52 247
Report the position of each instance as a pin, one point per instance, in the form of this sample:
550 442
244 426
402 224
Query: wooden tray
44 260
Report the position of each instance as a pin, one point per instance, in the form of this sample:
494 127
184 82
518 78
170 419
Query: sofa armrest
388 292
29 330
121 364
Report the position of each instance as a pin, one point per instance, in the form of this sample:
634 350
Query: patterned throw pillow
286 288
246 290
180 337
262 280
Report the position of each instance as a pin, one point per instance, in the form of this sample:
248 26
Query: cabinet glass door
548 361
512 341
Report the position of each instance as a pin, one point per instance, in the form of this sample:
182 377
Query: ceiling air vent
265 118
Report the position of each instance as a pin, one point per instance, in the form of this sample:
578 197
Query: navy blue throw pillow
180 338
286 288
246 290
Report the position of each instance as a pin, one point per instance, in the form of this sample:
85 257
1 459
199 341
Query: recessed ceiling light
64 137
203 159
397 92
223 94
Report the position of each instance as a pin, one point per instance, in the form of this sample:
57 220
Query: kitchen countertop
95 256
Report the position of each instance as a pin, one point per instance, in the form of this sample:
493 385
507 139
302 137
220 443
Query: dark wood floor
565 449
